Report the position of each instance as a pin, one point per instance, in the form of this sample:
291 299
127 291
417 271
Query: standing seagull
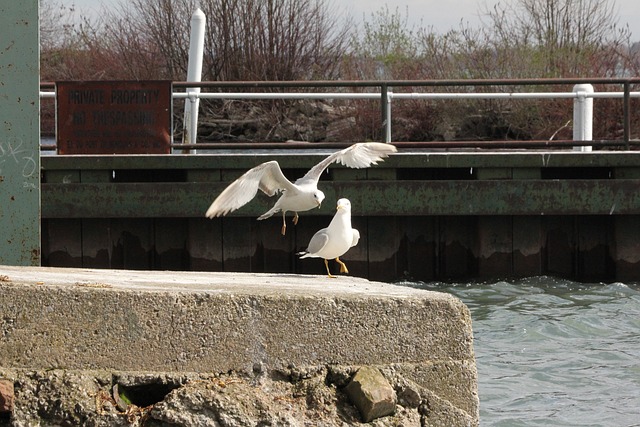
300 196
335 240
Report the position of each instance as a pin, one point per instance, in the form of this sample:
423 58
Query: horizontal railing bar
272 95
399 83
410 145
394 83
510 144
395 95
514 95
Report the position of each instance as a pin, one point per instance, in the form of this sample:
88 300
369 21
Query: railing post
194 74
626 109
583 115
387 128
385 113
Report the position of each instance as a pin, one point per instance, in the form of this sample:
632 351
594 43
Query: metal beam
19 134
298 158
369 198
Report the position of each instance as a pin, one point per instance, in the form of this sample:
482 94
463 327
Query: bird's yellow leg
326 264
343 266
295 218
284 224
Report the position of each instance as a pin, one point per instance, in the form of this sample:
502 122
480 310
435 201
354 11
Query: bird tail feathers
304 254
269 213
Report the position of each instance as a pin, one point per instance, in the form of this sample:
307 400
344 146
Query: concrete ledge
77 319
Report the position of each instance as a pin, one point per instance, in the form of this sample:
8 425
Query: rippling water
555 353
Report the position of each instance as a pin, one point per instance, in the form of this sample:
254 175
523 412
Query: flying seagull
335 240
299 196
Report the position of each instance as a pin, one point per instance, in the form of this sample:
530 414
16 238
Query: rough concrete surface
288 344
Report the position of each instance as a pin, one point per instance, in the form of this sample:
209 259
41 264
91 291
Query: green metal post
19 133
626 110
384 110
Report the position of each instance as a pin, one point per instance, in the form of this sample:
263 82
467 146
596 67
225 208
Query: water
555 353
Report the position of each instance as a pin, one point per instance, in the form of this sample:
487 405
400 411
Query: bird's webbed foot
343 266
326 264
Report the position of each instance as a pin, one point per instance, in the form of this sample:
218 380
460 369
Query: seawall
423 216
64 327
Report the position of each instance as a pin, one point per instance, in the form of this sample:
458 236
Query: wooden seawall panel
423 216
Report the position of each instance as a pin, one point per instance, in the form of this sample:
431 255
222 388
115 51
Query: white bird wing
356 237
360 155
267 177
317 242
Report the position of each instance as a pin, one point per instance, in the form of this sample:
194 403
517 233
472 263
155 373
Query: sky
446 15
437 14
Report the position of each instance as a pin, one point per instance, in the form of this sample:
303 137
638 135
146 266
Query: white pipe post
583 115
387 128
194 74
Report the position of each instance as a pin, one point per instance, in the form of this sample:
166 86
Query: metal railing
385 94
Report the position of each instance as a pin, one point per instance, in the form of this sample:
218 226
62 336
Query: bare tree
561 38
60 46
385 47
55 24
146 39
245 39
273 40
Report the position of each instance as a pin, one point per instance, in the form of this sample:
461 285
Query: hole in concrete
145 394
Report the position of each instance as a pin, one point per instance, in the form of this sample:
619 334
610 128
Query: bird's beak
319 203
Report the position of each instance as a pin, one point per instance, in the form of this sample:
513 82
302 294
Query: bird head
344 204
318 196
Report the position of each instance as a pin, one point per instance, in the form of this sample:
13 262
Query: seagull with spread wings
299 196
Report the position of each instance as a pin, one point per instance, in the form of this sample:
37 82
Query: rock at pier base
6 396
372 394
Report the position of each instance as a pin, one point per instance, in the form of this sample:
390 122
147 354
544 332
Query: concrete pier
179 322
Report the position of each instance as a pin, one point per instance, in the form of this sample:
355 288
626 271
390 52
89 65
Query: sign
113 117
